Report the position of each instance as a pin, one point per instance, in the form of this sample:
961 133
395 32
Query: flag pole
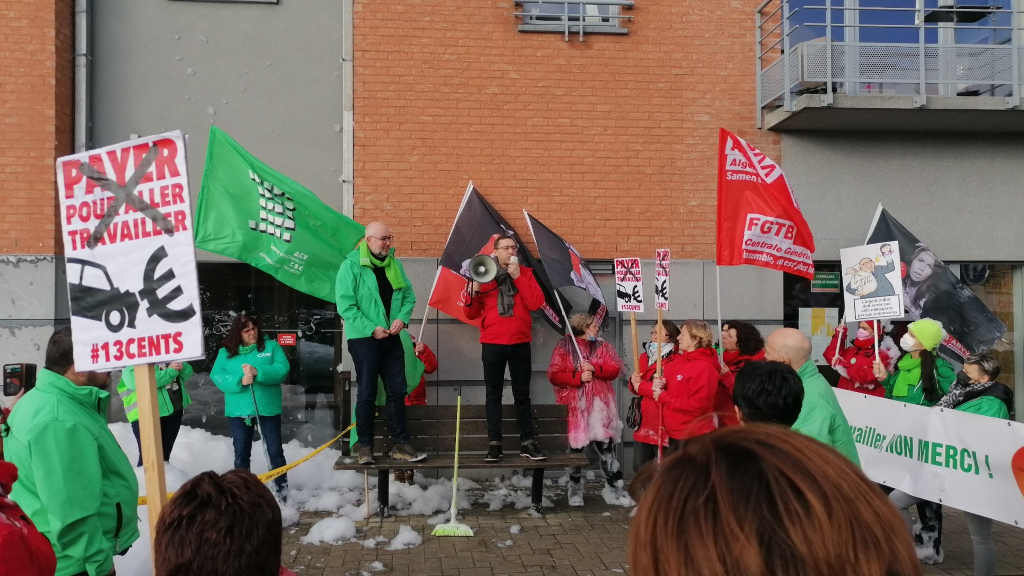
718 297
568 330
876 340
427 309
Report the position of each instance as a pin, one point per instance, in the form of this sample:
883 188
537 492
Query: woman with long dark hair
249 370
741 343
919 282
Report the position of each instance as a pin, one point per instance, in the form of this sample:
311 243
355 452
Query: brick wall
36 119
611 142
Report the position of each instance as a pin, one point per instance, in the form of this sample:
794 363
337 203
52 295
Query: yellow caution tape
283 469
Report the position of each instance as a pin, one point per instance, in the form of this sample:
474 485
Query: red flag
759 220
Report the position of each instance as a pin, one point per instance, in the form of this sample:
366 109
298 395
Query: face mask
908 343
863 334
964 380
591 338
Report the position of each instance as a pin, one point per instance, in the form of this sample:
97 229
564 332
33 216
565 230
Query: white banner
662 275
966 461
629 285
126 218
872 281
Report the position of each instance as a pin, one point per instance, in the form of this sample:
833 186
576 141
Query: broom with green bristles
454 527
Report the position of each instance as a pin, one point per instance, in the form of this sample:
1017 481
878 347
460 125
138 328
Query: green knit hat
928 332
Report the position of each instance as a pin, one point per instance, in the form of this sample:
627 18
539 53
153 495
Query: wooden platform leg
538 489
383 493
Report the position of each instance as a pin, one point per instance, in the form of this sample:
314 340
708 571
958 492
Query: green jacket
944 377
358 298
271 370
821 417
74 483
986 406
164 376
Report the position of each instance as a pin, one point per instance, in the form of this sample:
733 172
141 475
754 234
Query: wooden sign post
152 445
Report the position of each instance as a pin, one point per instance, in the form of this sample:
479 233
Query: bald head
378 238
789 346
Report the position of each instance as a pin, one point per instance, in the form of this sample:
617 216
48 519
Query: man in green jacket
375 298
75 483
172 399
821 417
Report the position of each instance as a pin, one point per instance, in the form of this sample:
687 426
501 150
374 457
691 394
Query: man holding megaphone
502 295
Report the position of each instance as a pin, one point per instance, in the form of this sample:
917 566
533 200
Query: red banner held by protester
759 220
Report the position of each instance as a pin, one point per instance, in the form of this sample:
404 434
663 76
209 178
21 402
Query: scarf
909 375
651 347
506 292
242 349
390 265
959 394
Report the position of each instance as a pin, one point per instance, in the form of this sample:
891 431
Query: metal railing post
1014 100
786 55
828 53
922 97
758 64
565 18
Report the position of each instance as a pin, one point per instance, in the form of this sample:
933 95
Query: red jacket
514 329
418 396
651 428
856 365
688 401
23 550
724 407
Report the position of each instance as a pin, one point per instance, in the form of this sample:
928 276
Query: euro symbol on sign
158 305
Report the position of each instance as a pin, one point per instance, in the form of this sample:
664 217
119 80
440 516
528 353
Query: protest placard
629 285
872 286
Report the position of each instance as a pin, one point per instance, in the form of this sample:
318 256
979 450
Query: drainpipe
348 123
82 69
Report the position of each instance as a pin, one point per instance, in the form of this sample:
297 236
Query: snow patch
590 476
616 496
516 529
406 538
505 544
331 531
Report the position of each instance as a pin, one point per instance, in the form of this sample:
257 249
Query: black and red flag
565 268
476 227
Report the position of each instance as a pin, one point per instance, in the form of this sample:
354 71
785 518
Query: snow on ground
315 486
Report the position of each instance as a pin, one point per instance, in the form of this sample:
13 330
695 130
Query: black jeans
383 359
609 463
642 454
242 435
517 357
169 427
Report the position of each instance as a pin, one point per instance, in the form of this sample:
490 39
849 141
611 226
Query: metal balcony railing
573 16
829 49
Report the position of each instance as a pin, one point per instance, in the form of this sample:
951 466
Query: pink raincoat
593 416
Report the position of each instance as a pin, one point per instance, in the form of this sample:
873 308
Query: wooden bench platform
433 431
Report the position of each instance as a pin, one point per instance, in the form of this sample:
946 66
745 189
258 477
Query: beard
99 380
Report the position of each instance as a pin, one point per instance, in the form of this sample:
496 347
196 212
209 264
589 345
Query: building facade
601 118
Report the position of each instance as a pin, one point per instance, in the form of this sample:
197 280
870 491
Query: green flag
253 213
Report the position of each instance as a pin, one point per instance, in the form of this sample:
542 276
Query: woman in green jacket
975 391
250 369
921 377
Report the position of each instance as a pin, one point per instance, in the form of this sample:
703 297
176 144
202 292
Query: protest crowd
744 459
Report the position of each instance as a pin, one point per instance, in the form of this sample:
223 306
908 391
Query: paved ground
567 541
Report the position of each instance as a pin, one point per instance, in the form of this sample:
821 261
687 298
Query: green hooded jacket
821 417
271 370
414 369
74 482
164 376
986 406
944 378
358 298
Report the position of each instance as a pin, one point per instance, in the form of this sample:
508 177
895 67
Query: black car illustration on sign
94 296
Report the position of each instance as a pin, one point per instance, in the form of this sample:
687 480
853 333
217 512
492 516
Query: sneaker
494 452
365 456
575 493
404 451
531 451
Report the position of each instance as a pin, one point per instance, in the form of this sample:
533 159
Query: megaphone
483 268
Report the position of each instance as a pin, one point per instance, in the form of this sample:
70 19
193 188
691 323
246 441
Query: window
573 16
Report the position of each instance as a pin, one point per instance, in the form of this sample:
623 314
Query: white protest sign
126 219
662 275
966 461
872 286
629 285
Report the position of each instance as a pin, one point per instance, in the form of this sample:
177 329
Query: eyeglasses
249 329
507 248
385 239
